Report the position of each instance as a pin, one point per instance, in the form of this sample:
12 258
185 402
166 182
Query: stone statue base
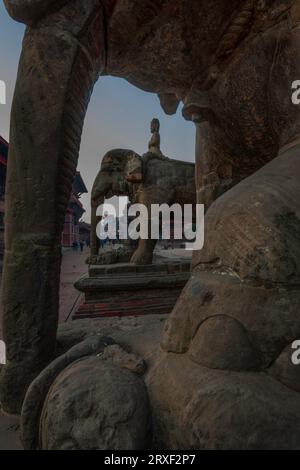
126 289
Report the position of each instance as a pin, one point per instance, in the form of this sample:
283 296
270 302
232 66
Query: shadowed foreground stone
38 389
222 343
109 410
220 409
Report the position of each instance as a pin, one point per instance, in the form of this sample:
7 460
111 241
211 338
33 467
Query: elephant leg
144 252
213 165
59 65
94 222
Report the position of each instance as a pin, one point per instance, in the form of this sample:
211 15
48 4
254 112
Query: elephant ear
134 169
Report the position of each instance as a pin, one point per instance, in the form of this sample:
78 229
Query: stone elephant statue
145 180
229 339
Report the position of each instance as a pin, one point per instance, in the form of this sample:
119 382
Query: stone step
129 268
132 281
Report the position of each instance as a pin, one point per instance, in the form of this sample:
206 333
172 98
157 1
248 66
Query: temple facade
71 234
85 232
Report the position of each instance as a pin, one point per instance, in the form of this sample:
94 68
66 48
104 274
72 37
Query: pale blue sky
119 114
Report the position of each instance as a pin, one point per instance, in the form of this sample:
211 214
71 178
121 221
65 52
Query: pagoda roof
79 186
76 201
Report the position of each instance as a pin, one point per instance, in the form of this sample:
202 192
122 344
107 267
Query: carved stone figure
154 144
149 180
122 254
224 377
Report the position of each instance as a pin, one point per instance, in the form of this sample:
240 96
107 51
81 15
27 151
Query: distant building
75 211
3 165
85 232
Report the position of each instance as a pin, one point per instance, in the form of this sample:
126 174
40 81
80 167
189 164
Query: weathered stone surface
119 357
249 268
9 432
199 408
36 203
36 393
285 371
166 265
268 315
141 335
33 259
169 102
253 231
91 345
132 281
222 343
87 338
119 255
109 410
29 11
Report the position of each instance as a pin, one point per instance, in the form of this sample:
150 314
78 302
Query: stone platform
129 290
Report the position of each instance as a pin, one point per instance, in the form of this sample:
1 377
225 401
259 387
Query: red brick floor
73 267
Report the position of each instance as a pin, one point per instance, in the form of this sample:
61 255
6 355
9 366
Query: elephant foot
219 409
232 367
113 256
93 397
142 257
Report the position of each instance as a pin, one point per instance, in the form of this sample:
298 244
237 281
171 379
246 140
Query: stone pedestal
129 290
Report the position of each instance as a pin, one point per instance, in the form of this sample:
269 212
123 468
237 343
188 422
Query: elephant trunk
58 68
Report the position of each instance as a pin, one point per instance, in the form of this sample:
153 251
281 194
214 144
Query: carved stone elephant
145 180
228 340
